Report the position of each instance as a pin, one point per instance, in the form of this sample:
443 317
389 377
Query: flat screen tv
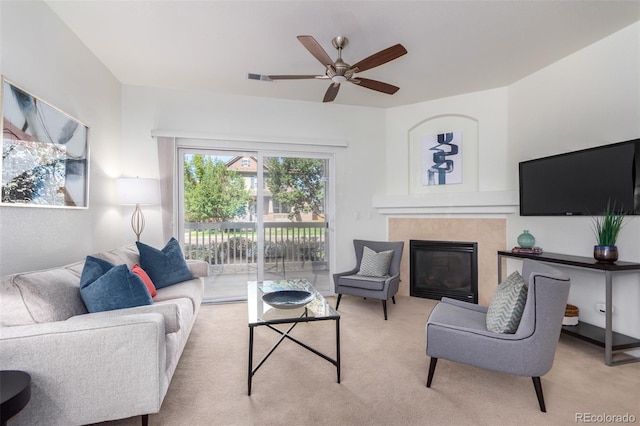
582 182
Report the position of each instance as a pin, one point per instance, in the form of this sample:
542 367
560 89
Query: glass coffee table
312 308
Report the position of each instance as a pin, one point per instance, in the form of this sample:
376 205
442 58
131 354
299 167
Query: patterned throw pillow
375 264
165 267
507 305
105 287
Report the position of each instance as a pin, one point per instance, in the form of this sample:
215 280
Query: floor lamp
138 191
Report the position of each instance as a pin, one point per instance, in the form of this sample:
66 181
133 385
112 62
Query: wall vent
261 77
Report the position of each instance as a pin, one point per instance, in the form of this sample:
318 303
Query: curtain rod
256 139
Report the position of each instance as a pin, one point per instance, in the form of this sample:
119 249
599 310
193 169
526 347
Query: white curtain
166 166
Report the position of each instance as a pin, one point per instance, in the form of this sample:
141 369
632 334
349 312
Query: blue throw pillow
165 267
105 287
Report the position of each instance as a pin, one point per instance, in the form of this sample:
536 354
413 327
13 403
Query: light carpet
384 370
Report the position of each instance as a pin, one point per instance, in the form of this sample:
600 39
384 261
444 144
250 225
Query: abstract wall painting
45 153
441 159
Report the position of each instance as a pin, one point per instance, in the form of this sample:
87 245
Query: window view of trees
213 192
221 222
298 184
223 189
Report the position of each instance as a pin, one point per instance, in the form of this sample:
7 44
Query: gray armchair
375 287
457 331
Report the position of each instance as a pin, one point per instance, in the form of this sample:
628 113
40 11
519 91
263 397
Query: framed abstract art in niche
443 155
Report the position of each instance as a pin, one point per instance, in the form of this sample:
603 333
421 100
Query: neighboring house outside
247 166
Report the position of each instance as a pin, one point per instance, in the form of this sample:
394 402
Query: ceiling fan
339 71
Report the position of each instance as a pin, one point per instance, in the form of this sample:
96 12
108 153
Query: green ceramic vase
526 240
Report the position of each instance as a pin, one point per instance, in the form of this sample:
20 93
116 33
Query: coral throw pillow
136 269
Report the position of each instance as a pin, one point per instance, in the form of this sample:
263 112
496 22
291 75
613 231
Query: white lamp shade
138 191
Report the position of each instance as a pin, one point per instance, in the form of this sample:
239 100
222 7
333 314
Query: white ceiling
454 47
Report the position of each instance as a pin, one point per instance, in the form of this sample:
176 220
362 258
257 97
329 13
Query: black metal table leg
318 310
338 347
250 373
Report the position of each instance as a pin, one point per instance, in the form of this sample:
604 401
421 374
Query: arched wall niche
468 128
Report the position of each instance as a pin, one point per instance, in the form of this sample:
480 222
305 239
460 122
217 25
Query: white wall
359 168
41 55
588 99
489 108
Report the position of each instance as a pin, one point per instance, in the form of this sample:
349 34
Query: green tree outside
297 183
212 192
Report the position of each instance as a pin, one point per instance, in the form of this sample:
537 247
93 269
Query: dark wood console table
613 343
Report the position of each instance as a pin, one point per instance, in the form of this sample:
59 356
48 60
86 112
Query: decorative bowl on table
288 299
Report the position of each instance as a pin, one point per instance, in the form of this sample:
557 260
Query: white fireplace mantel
451 203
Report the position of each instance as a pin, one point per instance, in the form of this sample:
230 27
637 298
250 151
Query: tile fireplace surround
489 233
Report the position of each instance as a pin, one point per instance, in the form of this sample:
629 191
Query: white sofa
93 367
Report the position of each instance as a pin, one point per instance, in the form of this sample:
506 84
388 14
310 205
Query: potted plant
607 229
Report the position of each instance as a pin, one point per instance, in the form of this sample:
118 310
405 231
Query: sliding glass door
217 194
254 216
294 219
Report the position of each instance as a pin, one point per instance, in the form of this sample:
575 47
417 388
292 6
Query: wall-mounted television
582 182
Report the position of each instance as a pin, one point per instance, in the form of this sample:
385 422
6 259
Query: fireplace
444 268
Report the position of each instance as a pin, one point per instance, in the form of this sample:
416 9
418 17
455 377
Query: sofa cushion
192 290
198 268
127 255
375 264
507 305
360 281
458 316
106 287
40 297
165 267
175 313
136 269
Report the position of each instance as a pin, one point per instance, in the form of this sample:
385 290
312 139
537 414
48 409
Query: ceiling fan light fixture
339 71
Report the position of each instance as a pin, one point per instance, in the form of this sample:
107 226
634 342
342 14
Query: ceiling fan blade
375 85
315 49
331 92
382 57
296 77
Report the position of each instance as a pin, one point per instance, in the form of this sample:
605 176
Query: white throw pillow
375 264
